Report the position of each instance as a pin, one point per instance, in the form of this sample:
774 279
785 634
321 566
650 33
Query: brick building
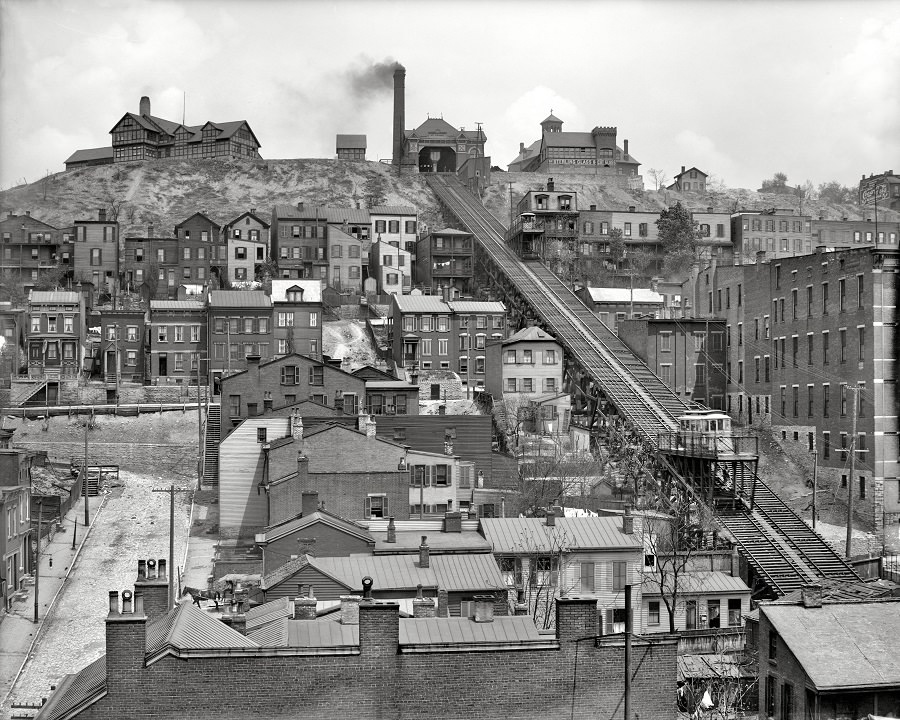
446 259
123 338
345 261
777 233
438 147
688 355
178 342
30 247
56 334
615 305
239 325
428 332
247 246
527 370
846 234
544 220
285 381
15 522
95 253
297 312
342 663
150 265
202 250
888 194
823 659
397 225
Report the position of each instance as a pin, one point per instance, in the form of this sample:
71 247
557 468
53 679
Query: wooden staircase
211 444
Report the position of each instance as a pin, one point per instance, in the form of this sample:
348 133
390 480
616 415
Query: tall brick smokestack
399 112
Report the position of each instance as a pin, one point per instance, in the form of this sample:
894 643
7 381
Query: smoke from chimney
373 80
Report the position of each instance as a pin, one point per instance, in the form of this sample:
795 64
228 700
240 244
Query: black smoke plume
376 79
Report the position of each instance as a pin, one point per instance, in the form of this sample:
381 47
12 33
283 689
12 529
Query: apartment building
178 342
123 337
446 259
297 314
95 253
777 233
201 249
56 334
29 247
247 246
239 325
396 225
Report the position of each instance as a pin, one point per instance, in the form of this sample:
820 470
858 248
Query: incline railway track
638 395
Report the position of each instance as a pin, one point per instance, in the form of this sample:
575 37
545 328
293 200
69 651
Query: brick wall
345 493
381 682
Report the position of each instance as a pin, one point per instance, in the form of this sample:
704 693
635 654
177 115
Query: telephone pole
855 391
84 475
37 558
172 569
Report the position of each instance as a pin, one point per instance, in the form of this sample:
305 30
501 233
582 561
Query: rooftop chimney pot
811 595
550 518
114 602
305 607
161 569
142 569
628 522
424 553
391 531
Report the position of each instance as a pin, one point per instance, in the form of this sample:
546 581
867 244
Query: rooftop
523 535
239 299
351 142
312 290
624 295
530 334
698 583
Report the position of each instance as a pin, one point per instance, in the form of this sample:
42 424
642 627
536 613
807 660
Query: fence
890 568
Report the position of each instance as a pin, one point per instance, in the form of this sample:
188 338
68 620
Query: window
713 613
587 577
843 334
443 346
316 375
549 357
810 400
290 375
787 701
770 695
131 357
795 390
690 615
773 646
179 333
234 405
511 385
734 612
824 298
96 256
549 384
861 343
162 333
653 612
376 506
619 576
285 319
665 342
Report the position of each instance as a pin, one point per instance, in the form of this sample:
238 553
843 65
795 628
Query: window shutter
449 476
387 508
311 376
609 623
367 510
284 376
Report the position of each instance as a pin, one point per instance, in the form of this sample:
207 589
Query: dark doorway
163 365
446 160
435 391
110 363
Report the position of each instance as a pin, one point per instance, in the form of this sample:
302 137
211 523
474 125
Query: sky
741 90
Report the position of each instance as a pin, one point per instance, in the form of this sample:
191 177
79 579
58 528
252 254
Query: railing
711 445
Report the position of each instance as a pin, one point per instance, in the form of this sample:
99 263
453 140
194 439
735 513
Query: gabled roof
256 217
551 118
434 126
331 215
239 299
348 527
624 295
842 646
569 139
350 142
524 535
408 541
198 214
530 152
195 305
101 153
530 334
371 369
312 290
284 358
689 170
451 231
187 627
421 303
76 691
392 210
698 583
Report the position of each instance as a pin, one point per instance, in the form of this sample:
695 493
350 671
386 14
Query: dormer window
565 202
295 294
541 201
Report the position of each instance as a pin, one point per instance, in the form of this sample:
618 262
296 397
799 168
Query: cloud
700 151
521 120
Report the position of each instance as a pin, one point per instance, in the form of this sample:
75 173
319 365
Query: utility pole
855 391
84 475
627 652
510 205
37 558
172 568
199 433
815 483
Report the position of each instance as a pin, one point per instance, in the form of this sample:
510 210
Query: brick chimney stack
628 522
126 640
576 617
424 553
305 607
521 607
296 423
309 502
550 519
391 531
811 595
423 607
153 585
350 609
484 608
443 607
144 107
370 428
399 114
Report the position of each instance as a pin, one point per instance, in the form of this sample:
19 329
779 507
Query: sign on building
872 190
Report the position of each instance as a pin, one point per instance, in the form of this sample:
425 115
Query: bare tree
715 184
660 178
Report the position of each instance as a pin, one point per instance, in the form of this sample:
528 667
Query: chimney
484 608
150 230
391 531
811 595
399 113
682 170
521 148
361 422
631 208
550 185
593 207
628 522
126 640
370 428
302 469
253 360
625 148
350 609
576 617
379 631
453 522
709 209
445 293
305 606
367 584
443 606
296 424
28 213
300 205
735 562
101 214
144 107
423 607
253 211
550 519
309 502
521 607
238 618
153 586
424 553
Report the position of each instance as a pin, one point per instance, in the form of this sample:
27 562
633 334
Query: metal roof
239 299
197 305
269 612
530 334
303 633
319 516
842 645
624 295
524 535
193 629
389 385
451 231
74 690
392 210
312 290
273 634
421 303
101 153
708 667
456 631
476 306
698 583
467 572
331 215
54 296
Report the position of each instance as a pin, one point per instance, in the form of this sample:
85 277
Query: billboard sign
872 190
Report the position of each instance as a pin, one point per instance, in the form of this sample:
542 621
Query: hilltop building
689 181
351 147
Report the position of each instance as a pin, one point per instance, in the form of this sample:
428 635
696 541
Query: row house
122 345
391 267
527 369
614 305
247 246
30 247
299 242
809 337
178 340
396 225
95 253
15 523
297 312
56 334
777 233
202 251
854 233
239 325
345 261
688 355
150 265
446 259
428 332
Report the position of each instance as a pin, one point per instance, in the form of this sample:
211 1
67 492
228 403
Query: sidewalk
18 631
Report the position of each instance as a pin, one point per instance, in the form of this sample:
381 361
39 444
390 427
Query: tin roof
624 295
842 646
392 210
476 306
698 583
467 572
464 631
101 153
408 541
189 628
312 290
54 296
523 535
268 612
76 689
239 299
319 516
351 142
530 334
331 215
198 304
421 303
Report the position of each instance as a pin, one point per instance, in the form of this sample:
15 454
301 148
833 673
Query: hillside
164 193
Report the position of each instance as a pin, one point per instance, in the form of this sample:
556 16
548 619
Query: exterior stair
211 444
